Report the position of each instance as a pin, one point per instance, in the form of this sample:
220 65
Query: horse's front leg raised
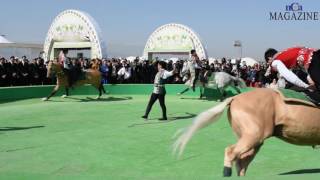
185 90
55 89
234 152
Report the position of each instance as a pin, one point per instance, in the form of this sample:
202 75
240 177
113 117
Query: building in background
9 48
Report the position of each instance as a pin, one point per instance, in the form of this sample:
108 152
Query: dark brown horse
255 116
92 76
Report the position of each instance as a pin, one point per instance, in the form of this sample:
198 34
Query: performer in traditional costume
194 68
307 59
159 90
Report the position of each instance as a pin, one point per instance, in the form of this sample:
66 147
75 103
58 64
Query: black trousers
73 75
153 99
314 72
314 68
197 72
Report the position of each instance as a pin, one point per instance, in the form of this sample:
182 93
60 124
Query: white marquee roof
174 38
249 61
4 40
77 27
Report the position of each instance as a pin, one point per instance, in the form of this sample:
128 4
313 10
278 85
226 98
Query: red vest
290 56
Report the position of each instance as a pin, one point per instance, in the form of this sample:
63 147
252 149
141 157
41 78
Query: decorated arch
73 29
174 39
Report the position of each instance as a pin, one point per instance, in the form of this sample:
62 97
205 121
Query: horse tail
202 120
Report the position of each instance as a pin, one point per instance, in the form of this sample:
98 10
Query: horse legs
185 90
227 168
223 94
243 162
234 152
100 89
201 92
55 89
237 89
67 92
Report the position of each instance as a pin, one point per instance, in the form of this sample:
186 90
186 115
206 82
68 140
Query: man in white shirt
124 73
194 68
306 58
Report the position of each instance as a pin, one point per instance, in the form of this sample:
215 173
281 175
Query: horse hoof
227 171
44 99
98 97
64 96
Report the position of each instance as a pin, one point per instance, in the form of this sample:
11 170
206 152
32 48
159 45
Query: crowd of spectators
20 72
23 72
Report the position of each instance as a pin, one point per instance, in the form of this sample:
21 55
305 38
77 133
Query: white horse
216 80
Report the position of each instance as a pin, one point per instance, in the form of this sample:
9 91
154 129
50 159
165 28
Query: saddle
74 75
82 75
291 96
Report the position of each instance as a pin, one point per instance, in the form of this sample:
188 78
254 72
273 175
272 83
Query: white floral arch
176 39
74 29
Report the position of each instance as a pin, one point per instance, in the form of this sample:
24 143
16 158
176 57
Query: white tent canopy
249 61
131 58
9 48
4 40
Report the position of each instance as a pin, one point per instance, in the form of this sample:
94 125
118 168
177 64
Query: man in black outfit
159 90
4 80
13 71
24 71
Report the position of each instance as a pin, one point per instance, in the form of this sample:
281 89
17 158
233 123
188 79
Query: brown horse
92 77
255 116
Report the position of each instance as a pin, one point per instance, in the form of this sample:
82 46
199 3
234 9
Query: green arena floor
82 138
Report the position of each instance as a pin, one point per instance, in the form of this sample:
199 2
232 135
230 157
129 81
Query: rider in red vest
306 58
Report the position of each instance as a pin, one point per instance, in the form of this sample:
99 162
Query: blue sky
126 24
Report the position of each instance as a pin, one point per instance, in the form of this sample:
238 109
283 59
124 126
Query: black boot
144 117
163 119
314 97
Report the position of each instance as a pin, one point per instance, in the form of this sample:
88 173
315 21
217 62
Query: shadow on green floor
302 171
19 128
